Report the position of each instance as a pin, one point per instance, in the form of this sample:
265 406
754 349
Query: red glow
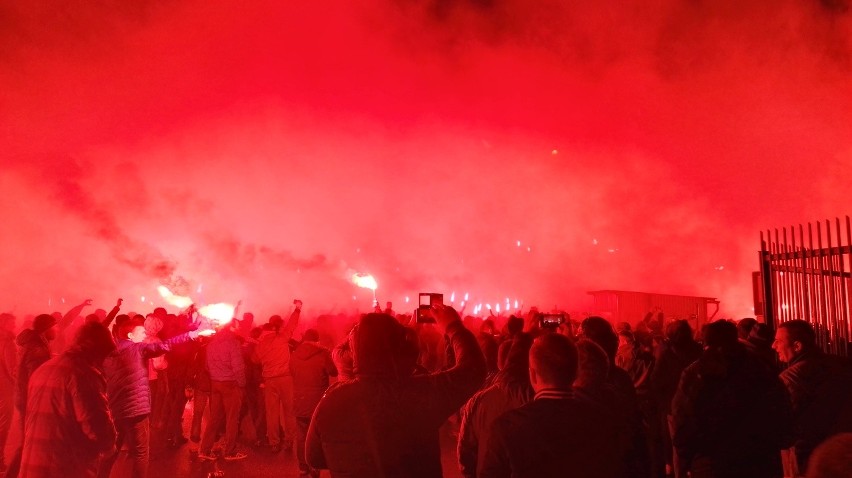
271 147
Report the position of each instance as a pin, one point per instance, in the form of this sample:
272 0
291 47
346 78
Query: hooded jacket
311 367
385 422
34 352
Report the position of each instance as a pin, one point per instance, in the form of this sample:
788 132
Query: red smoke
263 150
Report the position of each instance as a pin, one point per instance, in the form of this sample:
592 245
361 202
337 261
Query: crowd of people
528 397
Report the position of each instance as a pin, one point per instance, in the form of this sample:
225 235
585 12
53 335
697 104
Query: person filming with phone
385 422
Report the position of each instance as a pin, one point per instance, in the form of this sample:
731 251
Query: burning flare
220 313
366 281
178 301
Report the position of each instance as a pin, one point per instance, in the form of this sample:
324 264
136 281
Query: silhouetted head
44 324
310 335
381 347
515 325
599 331
516 368
553 362
744 327
592 365
720 334
679 333
93 341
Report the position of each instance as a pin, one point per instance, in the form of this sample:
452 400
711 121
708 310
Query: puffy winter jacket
126 371
311 367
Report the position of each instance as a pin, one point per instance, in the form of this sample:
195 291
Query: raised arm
111 316
293 321
72 314
453 387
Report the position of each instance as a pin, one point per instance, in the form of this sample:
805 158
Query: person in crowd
8 373
510 390
601 332
592 387
311 367
201 388
157 366
34 350
673 356
227 369
253 412
341 355
431 343
273 354
555 435
129 392
488 345
179 358
69 426
820 388
731 414
514 326
633 359
386 421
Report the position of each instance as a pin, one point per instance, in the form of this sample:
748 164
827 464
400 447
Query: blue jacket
126 371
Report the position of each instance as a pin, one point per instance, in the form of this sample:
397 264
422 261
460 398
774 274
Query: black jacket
731 416
385 422
552 438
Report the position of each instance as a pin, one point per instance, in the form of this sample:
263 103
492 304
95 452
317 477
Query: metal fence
806 273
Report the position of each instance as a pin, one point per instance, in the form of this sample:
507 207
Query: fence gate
806 273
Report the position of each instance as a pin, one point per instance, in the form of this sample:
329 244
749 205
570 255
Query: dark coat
385 423
552 438
34 352
670 364
731 416
68 420
311 367
820 390
478 416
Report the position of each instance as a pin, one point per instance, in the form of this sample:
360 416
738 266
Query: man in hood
385 422
311 367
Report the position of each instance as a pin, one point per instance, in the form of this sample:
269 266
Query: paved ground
182 463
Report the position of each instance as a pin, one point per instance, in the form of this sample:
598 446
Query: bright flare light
178 301
366 281
221 313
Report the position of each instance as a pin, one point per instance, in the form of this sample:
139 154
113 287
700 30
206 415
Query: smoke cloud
530 150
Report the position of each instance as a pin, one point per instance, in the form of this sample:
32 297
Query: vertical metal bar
788 278
806 292
797 284
832 290
847 333
823 306
766 278
812 283
779 280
